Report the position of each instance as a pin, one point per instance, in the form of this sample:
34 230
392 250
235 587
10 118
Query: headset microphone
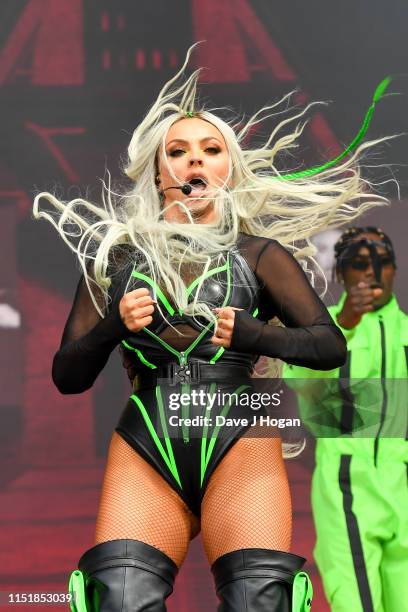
186 188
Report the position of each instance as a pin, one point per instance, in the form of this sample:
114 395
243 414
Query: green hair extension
379 92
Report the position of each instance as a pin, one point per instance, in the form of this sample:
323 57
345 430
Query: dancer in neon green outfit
359 488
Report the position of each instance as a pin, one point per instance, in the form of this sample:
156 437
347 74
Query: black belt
172 373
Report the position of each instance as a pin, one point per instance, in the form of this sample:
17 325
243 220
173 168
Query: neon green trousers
361 518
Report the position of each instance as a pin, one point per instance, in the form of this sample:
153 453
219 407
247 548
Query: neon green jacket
362 407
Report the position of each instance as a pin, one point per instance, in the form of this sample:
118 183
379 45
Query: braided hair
349 236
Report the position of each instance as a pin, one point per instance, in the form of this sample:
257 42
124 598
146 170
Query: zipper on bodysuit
384 390
184 409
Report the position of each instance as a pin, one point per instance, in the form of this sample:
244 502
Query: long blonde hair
258 201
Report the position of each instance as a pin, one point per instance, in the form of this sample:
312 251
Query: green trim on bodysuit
162 342
203 463
185 388
155 287
206 453
189 289
140 355
182 355
206 275
168 458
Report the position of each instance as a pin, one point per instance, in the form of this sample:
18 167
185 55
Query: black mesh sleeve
87 341
309 338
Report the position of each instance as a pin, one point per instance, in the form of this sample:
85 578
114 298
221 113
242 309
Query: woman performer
184 272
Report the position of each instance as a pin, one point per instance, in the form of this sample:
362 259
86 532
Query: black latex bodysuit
260 277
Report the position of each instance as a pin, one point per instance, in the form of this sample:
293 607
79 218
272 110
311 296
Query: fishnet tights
138 504
247 502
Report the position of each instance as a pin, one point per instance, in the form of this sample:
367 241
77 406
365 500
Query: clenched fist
359 300
225 324
136 308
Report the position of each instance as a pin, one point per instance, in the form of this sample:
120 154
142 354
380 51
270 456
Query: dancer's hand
225 325
136 308
359 300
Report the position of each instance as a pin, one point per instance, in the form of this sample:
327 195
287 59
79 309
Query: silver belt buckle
181 374
185 374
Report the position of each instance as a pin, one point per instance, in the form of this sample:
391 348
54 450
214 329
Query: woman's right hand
136 308
359 300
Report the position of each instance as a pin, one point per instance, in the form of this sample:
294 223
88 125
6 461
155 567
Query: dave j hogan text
222 421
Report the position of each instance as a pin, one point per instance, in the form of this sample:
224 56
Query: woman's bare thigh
247 502
137 503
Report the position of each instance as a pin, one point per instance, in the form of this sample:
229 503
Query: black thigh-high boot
123 576
261 580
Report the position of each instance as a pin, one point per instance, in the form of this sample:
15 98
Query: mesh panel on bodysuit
138 504
178 341
310 338
181 341
247 502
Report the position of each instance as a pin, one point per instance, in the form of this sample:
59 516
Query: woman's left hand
225 325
